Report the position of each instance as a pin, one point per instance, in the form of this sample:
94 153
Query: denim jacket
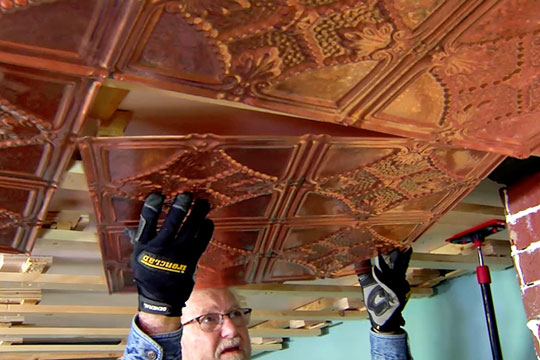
167 346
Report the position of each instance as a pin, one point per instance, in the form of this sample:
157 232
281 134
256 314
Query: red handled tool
477 235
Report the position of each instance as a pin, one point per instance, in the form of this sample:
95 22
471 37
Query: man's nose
229 329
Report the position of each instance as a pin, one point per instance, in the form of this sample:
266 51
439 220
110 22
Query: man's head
227 342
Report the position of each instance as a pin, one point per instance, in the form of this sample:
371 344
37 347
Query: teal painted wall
449 326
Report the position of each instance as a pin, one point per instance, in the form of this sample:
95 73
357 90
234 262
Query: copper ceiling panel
285 207
40 112
464 73
70 36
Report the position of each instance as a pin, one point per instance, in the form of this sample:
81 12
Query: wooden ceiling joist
260 315
67 235
62 355
57 332
58 281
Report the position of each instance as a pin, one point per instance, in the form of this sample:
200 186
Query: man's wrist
152 324
379 330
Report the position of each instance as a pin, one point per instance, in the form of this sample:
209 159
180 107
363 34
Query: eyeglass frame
245 312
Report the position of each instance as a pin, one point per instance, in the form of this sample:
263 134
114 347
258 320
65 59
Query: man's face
231 342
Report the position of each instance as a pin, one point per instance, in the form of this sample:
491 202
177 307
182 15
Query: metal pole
484 279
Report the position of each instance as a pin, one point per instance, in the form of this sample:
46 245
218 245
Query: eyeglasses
214 321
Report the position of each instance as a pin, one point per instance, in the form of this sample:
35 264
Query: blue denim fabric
389 347
141 346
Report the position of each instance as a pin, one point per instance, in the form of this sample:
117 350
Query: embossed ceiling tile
421 104
413 13
88 33
325 200
38 111
245 51
223 169
22 207
324 87
503 19
317 251
370 178
283 270
492 108
321 251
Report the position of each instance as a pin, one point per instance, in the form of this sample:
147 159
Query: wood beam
68 235
50 310
131 310
56 332
62 355
58 281
41 349
456 262
324 315
299 290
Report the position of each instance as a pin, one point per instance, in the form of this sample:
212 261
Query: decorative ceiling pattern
39 113
322 203
453 75
434 70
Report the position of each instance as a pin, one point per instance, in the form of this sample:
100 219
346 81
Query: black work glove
386 290
164 263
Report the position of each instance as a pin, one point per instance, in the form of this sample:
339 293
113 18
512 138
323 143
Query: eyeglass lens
210 322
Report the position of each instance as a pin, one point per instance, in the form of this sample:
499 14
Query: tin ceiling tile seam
40 113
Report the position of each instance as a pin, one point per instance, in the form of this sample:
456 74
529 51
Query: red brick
524 194
529 263
531 302
525 231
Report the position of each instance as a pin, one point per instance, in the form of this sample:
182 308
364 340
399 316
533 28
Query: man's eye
235 314
210 318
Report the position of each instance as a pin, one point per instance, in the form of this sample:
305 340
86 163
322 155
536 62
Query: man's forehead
203 301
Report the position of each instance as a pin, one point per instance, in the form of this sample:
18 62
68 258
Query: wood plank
67 235
56 332
131 310
283 333
456 262
40 349
324 315
37 349
299 290
62 355
58 281
496 211
51 310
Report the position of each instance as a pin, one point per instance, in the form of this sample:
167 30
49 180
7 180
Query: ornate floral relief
7 6
368 40
328 31
20 128
208 173
453 62
252 72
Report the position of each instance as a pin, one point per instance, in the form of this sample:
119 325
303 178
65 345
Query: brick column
522 202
